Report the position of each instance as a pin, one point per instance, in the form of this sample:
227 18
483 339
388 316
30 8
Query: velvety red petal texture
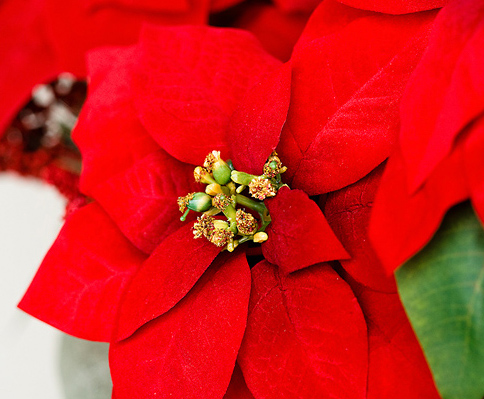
108 132
440 156
78 26
277 30
256 124
354 77
395 6
143 199
299 235
474 165
305 338
164 279
170 6
397 366
79 284
127 172
187 87
348 213
190 351
238 388
297 5
400 223
446 91
27 55
329 17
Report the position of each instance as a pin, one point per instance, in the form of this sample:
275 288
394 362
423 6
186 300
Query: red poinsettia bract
39 39
179 313
396 6
438 161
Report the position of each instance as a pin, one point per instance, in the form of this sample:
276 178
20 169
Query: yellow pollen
198 173
272 167
203 226
261 188
221 201
183 202
210 159
246 223
220 237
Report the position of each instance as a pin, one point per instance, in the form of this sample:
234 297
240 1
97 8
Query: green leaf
442 289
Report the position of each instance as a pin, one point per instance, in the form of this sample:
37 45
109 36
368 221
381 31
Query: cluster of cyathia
224 195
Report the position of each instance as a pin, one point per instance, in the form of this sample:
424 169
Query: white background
31 215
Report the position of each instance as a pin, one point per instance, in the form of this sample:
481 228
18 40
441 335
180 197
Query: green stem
266 220
251 204
245 239
184 216
230 213
259 207
242 177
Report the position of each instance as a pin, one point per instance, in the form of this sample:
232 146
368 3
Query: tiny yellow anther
261 236
213 189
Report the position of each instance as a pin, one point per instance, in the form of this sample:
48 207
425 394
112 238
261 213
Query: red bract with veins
438 161
39 39
353 70
394 351
179 313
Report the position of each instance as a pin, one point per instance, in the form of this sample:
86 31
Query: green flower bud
221 172
200 202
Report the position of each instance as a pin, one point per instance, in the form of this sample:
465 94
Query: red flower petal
277 30
164 279
108 132
190 351
395 6
402 223
299 235
348 213
355 78
238 388
169 6
142 199
297 5
79 26
329 18
82 277
27 55
446 91
474 166
255 126
134 180
397 367
305 337
187 88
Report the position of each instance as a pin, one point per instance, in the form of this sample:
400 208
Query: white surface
30 218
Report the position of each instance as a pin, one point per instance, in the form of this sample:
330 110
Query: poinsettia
178 313
438 162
